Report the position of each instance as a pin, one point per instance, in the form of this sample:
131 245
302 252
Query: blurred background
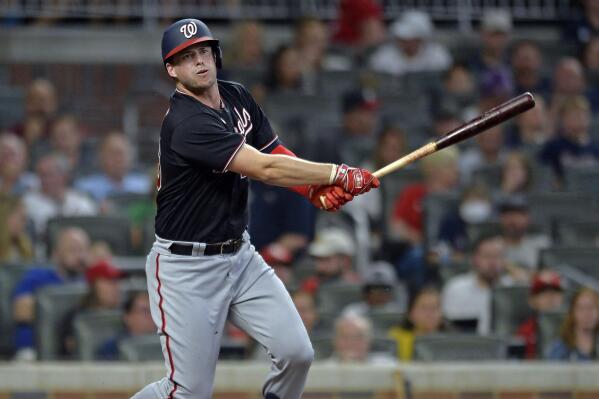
484 252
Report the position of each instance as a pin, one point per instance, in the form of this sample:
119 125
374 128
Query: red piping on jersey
187 44
282 150
163 329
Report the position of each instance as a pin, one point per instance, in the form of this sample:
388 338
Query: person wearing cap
411 49
379 289
546 294
333 252
105 293
522 246
495 30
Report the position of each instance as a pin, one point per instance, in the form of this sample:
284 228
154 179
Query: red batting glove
328 198
354 181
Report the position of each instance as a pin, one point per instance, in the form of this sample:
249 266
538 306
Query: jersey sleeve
263 138
204 139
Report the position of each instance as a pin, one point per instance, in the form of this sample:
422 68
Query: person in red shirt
546 294
440 172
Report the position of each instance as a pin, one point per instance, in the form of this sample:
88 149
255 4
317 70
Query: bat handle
406 160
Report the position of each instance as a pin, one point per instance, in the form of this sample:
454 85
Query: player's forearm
284 170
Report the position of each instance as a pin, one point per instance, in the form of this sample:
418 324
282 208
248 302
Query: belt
226 247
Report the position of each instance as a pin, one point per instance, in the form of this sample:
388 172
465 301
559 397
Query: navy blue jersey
198 199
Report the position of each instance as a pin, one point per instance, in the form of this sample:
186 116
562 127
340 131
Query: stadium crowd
434 253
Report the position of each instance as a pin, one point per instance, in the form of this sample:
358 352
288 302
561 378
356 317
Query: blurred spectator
424 317
284 73
522 246
66 139
390 146
590 56
488 151
306 307
568 82
280 259
532 129
546 294
579 330
360 117
70 258
116 175
447 118
245 48
475 207
333 252
585 27
379 289
137 321
527 61
495 31
360 24
291 218
466 298
516 174
459 94
311 40
41 105
15 243
14 179
573 146
54 197
104 294
412 49
440 176
353 340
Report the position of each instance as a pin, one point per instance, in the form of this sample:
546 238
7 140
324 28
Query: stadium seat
93 328
382 321
453 269
121 202
458 347
549 324
10 274
582 258
323 346
582 180
130 264
53 303
115 231
554 206
246 76
286 108
141 349
575 234
509 308
334 297
337 83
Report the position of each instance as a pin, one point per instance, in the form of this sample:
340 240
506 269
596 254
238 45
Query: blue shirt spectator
559 350
70 255
279 212
116 175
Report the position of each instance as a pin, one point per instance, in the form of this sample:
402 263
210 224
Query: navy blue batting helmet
185 33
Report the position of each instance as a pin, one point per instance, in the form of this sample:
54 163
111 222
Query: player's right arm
285 170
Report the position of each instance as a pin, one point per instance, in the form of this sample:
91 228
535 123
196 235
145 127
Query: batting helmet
185 33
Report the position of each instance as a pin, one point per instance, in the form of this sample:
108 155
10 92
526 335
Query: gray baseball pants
191 297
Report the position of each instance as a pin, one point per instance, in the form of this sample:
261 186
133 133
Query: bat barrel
491 118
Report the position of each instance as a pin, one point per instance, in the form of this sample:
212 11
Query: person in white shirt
54 197
412 50
468 296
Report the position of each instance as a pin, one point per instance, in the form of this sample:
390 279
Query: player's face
194 68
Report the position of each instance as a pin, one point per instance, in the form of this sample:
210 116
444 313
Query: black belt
218 248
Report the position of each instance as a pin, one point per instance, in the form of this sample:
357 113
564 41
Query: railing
463 11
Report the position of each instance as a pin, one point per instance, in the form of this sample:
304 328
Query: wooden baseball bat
492 117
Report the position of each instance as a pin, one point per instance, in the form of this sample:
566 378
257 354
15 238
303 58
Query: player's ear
170 69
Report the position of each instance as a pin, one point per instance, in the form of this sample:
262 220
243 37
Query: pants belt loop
197 249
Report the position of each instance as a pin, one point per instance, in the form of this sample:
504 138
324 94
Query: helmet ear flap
218 56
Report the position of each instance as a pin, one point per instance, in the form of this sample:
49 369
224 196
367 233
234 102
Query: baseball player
202 269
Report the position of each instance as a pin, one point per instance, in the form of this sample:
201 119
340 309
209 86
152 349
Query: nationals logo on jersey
189 30
244 123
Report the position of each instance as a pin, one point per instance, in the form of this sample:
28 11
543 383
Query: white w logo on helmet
189 29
